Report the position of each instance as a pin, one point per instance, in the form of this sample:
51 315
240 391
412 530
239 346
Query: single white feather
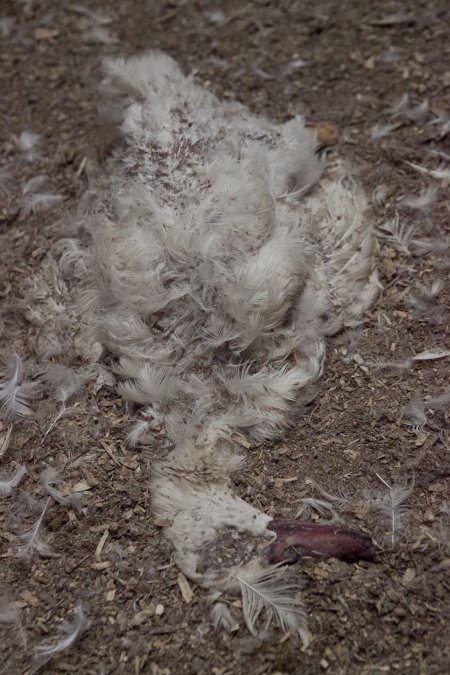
423 201
270 592
39 202
222 618
50 478
7 484
380 131
34 539
414 415
73 630
439 402
391 507
28 143
320 506
398 235
64 383
439 174
9 610
379 195
5 437
15 394
135 436
431 355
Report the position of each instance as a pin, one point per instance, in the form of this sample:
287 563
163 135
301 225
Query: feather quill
269 591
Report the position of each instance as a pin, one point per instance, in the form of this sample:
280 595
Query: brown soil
387 616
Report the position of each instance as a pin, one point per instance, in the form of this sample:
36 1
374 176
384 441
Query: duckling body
224 255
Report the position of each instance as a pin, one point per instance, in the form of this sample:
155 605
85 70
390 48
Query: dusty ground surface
346 62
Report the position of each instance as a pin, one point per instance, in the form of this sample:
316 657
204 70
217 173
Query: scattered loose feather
354 340
15 394
439 174
407 362
5 183
7 484
341 499
432 355
39 202
399 236
64 384
72 630
9 611
27 143
380 131
414 416
99 35
423 201
135 436
5 437
422 302
379 363
439 402
400 106
270 591
34 540
391 507
50 479
320 506
222 618
379 195
417 113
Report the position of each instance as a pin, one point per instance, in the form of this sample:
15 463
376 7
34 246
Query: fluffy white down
222 259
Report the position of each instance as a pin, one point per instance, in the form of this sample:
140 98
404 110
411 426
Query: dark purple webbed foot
297 539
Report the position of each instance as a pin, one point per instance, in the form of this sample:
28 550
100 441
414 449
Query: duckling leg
297 539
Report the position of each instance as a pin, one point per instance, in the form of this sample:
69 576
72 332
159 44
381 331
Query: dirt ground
348 62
